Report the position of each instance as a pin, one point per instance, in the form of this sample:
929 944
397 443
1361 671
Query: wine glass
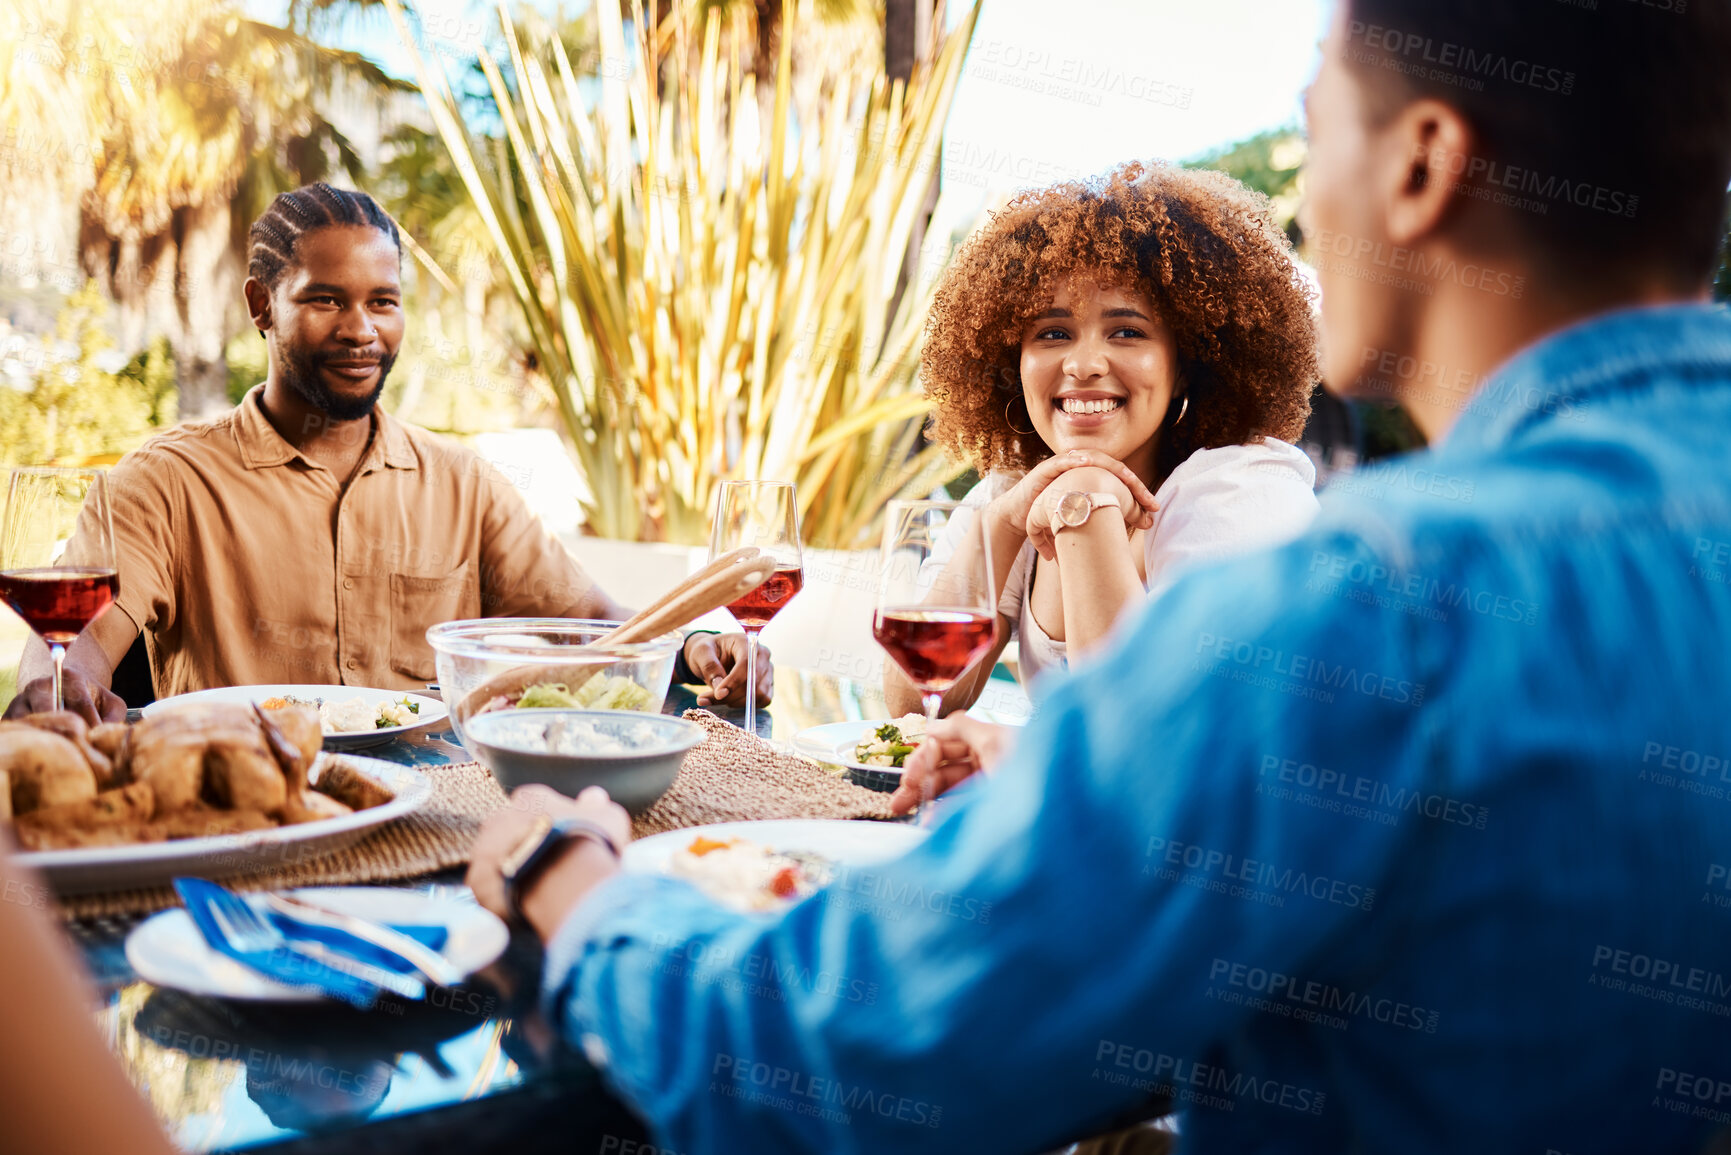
934 621
764 514
57 560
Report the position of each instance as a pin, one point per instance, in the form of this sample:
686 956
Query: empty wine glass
764 514
57 559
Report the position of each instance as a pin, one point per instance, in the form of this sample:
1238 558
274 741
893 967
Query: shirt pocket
422 600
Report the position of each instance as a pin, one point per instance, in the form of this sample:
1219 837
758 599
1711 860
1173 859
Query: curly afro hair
1200 244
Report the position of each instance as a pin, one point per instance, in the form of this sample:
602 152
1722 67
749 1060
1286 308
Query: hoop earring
1182 410
1010 421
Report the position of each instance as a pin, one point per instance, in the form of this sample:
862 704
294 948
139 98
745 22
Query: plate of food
773 863
873 751
168 951
352 717
212 789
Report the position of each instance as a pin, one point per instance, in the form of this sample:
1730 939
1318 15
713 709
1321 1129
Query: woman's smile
1098 370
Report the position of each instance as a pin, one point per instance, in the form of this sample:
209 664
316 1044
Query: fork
249 932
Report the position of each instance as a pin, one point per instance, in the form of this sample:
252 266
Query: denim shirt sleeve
1053 943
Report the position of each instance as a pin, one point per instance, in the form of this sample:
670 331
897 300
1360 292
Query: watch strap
533 855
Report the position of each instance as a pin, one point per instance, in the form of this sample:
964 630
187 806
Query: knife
363 938
234 929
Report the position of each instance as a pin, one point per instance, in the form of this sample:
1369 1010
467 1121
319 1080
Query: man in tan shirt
307 535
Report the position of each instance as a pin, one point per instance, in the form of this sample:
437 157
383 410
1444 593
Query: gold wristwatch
1074 509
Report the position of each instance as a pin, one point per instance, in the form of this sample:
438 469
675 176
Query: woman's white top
1218 503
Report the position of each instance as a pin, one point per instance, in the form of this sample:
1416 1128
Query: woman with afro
1126 361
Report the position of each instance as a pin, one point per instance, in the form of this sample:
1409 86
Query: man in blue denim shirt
1413 835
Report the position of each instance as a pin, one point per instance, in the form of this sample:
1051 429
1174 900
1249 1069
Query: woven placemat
733 776
435 837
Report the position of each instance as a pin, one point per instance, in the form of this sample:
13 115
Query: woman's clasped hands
1026 509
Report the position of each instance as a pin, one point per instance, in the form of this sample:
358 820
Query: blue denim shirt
1411 836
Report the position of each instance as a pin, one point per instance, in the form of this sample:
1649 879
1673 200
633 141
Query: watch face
1074 508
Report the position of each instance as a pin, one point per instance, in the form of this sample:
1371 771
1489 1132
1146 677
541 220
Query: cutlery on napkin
309 947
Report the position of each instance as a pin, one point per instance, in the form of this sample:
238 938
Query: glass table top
475 1068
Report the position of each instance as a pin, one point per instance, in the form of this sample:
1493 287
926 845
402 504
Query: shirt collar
1598 357
261 446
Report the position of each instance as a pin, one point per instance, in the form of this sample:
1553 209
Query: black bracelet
683 674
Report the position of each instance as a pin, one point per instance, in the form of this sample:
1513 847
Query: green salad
603 692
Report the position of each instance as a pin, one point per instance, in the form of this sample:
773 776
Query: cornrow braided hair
271 240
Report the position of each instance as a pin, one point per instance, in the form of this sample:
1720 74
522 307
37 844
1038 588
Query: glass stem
59 652
928 812
751 681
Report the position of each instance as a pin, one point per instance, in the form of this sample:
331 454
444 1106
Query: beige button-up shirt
243 562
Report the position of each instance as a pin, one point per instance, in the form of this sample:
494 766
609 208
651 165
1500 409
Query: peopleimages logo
1531 182
1303 670
1400 259
1416 49
1188 1078
1231 868
804 1094
1287 994
1351 788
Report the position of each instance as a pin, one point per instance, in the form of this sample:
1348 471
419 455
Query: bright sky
1114 79
1052 88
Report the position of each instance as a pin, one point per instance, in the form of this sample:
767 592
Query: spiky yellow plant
708 295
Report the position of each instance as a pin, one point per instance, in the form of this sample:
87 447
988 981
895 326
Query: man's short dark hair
1605 123
272 238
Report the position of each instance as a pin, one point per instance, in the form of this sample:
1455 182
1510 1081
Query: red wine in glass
763 515
57 555
59 601
935 618
933 645
756 608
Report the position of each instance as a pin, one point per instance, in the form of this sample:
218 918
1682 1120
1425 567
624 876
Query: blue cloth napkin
281 963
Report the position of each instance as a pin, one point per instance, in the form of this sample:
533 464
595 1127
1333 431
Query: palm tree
175 122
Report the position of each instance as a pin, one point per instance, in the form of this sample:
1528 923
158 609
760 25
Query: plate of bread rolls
213 789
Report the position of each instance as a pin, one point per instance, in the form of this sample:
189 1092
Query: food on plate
891 743
113 815
43 768
72 728
355 715
352 788
313 805
191 771
243 774
110 738
748 875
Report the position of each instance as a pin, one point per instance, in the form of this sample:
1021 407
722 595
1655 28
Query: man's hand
90 700
955 748
1087 479
562 883
719 659
1013 509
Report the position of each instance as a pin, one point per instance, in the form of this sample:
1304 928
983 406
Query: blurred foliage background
138 140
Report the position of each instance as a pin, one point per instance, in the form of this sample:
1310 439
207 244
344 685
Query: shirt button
352 664
348 583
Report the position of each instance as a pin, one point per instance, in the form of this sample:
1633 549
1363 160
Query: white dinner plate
431 709
835 742
167 949
846 842
145 864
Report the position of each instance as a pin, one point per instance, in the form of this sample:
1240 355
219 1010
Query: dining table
472 1069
